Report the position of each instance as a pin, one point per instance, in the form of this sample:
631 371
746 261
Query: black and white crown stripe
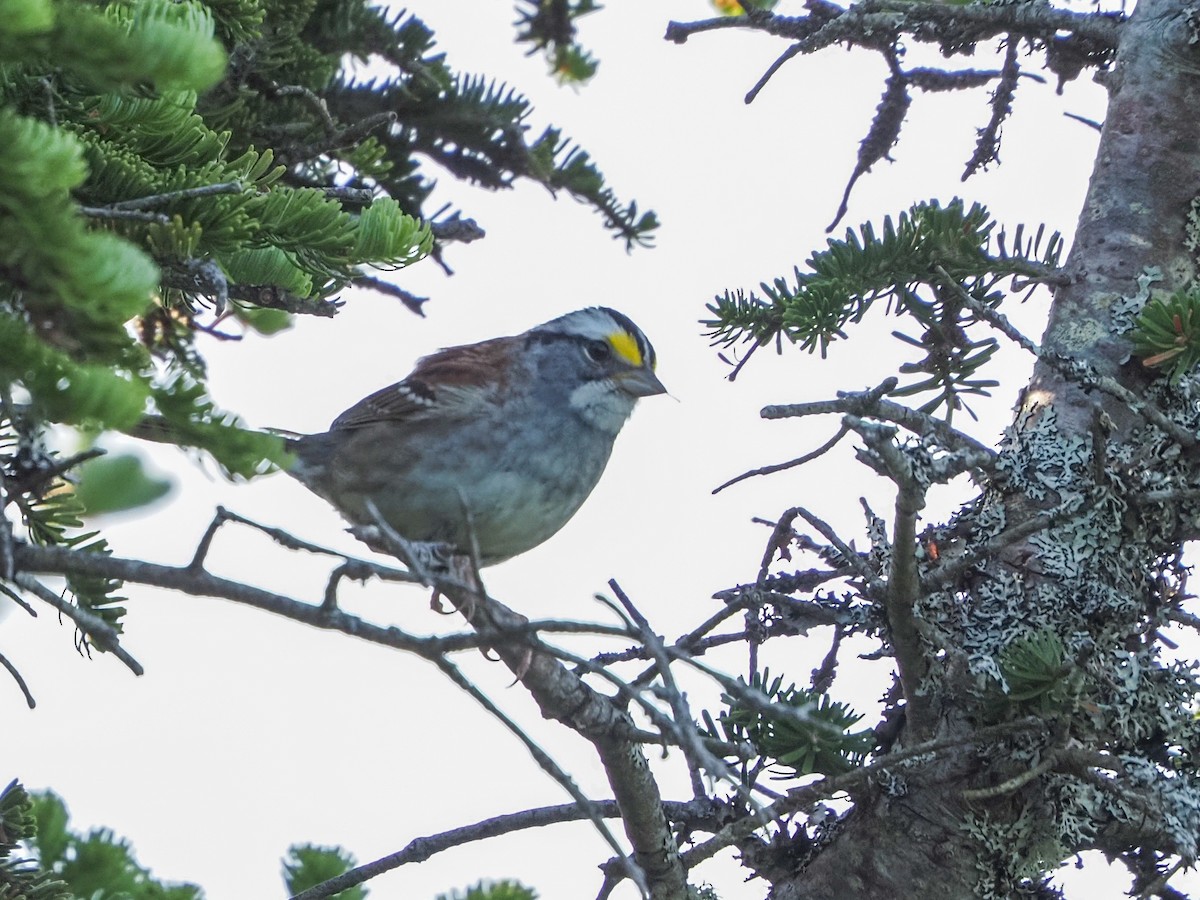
599 323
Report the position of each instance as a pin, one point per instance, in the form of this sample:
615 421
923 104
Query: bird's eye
598 351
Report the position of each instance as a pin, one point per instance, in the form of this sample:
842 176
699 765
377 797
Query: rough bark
1084 449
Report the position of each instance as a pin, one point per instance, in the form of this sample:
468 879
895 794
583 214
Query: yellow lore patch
626 347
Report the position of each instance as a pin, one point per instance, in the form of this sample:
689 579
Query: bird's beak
640 382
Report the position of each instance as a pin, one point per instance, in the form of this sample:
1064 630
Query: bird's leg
463 574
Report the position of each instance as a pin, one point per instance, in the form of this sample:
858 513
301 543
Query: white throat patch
603 405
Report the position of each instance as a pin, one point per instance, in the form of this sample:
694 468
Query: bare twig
853 559
798 461
1090 123
339 138
903 583
1084 374
271 296
315 102
38 479
1180 617
411 301
200 583
563 696
422 848
454 228
987 145
356 568
698 756
791 52
1158 886
16 598
206 190
1076 370
805 797
63 561
133 210
878 22
102 635
128 215
823 675
950 571
872 404
12 670
694 642
993 317
1018 781
550 767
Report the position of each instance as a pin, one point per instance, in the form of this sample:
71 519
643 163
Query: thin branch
12 670
63 561
668 729
1086 375
829 24
7 541
949 572
884 130
693 642
987 147
550 767
102 635
694 751
200 583
1158 887
270 296
353 567
423 848
872 404
993 317
16 598
853 559
783 625
410 301
1011 785
1179 617
903 583
207 190
798 461
128 215
563 696
347 136
37 480
1077 370
790 53
346 194
312 100
456 229
804 797
823 675
783 535
1090 123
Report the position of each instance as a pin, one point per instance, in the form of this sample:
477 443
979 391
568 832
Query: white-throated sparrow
513 431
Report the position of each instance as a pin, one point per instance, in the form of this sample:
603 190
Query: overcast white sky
248 733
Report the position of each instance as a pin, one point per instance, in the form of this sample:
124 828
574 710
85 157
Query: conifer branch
871 24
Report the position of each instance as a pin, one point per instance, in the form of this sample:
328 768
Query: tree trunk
1081 454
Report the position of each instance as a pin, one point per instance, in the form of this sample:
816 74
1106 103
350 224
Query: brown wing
451 381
